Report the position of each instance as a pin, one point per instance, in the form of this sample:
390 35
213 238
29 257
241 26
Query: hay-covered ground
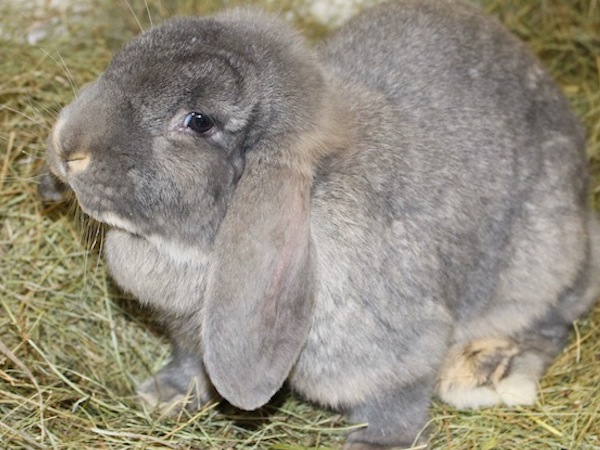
72 348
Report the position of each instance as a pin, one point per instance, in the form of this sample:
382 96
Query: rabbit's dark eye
198 122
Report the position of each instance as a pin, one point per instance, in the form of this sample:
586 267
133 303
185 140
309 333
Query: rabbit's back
448 61
458 77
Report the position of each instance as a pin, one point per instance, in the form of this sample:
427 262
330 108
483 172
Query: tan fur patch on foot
472 372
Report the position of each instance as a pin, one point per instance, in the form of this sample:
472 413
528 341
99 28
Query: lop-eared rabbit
396 214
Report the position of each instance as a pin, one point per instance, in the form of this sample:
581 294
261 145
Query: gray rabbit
398 213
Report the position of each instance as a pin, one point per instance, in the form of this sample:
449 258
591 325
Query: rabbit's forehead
200 54
203 80
184 73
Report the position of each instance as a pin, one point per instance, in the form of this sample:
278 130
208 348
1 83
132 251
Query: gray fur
413 188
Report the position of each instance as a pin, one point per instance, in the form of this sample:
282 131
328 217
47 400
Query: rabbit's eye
198 122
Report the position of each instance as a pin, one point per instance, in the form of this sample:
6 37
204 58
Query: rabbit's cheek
101 196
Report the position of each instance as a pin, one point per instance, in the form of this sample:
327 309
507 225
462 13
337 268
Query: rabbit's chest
163 277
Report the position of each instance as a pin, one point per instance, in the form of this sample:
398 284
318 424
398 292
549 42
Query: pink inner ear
295 237
258 301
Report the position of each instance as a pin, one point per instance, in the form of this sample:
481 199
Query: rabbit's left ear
259 297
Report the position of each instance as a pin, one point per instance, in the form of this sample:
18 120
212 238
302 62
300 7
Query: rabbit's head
158 143
205 133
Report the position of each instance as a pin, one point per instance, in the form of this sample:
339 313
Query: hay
72 347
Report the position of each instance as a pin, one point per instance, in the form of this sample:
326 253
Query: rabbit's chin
174 250
116 222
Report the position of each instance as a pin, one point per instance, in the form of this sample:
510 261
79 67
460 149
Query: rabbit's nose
77 162
66 155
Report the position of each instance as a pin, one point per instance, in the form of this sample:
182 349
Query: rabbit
396 213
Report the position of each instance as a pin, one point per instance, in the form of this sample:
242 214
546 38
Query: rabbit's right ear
259 297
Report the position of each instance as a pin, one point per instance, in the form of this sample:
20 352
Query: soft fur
399 212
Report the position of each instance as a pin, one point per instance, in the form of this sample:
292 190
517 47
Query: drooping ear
259 298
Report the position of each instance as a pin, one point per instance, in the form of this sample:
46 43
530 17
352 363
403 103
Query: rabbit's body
403 213
491 175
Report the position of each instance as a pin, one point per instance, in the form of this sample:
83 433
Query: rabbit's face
156 145
143 171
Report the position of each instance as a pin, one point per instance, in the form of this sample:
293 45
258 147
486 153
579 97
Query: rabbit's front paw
181 385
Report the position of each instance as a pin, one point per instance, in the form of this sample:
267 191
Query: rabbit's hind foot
486 373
